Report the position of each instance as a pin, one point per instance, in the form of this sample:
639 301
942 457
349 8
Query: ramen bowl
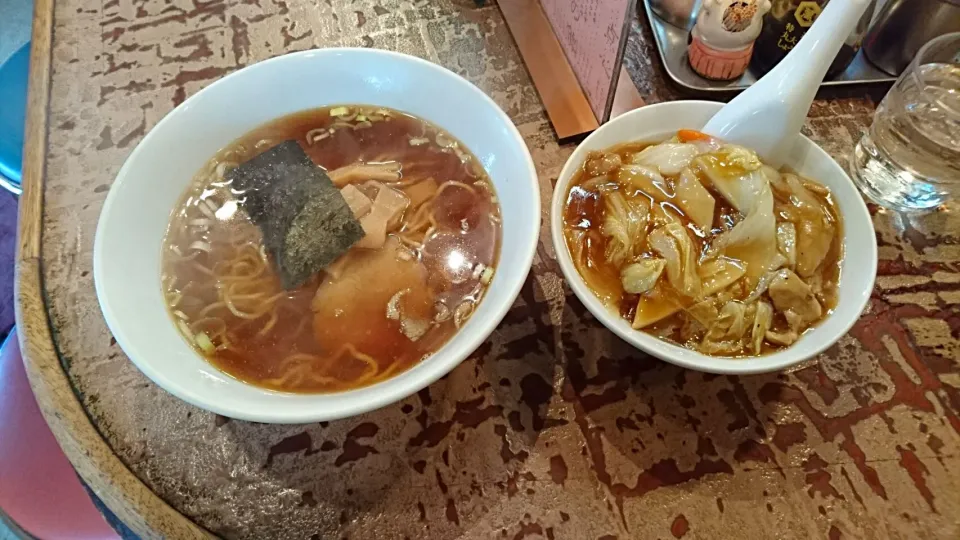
137 211
656 123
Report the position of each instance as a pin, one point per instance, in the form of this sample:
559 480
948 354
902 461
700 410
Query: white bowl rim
855 209
391 390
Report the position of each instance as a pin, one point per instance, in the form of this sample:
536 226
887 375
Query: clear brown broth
265 352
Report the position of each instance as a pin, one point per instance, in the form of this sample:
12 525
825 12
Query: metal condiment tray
672 45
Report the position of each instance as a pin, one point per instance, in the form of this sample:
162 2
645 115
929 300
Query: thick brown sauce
256 355
583 217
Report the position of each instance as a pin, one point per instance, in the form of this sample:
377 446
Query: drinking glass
909 159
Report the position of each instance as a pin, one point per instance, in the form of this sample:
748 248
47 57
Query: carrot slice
688 135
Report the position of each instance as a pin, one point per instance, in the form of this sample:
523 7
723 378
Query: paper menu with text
592 34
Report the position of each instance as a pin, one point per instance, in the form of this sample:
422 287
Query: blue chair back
13 102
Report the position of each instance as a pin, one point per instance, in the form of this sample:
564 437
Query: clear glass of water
909 160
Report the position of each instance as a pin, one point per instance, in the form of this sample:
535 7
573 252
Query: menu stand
573 50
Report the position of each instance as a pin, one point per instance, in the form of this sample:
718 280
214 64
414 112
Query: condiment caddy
735 50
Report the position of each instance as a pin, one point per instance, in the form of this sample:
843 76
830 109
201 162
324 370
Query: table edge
107 476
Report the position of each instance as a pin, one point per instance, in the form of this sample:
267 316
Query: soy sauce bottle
853 43
788 21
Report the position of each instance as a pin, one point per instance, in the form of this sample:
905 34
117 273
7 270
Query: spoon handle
768 116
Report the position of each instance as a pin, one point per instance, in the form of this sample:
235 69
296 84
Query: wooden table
554 428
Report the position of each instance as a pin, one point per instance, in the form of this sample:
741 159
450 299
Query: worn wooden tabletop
554 428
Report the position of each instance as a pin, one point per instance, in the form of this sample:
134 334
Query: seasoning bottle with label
853 43
787 22
783 26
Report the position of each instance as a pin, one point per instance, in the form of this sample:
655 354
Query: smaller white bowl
126 253
655 123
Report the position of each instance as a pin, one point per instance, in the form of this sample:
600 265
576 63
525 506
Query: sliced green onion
184 329
486 276
204 343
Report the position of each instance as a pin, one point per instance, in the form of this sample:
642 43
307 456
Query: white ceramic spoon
767 117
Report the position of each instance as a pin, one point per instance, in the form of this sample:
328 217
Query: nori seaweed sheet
305 221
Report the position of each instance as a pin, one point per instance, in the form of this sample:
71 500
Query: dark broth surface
372 314
583 218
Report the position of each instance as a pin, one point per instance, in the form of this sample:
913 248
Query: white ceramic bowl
137 211
859 268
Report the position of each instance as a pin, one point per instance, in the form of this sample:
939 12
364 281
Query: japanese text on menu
589 32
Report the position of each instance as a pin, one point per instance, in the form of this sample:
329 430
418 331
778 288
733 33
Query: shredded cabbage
674 245
736 284
741 184
761 324
815 230
718 274
602 163
733 317
787 242
705 312
668 158
794 298
645 179
625 223
695 200
754 239
641 276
